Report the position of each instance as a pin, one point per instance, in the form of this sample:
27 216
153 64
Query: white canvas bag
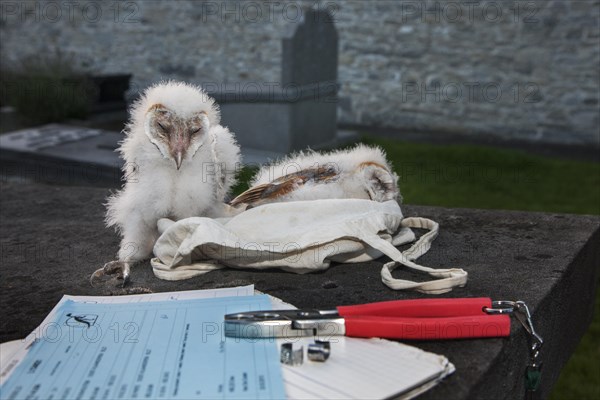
301 237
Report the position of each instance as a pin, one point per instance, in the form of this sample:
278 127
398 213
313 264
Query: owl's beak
178 159
178 147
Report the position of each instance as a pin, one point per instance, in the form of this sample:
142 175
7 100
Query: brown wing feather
284 185
266 191
249 196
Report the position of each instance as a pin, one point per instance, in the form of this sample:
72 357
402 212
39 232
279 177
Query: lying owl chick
360 173
179 163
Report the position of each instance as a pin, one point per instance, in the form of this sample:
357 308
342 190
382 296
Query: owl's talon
125 274
119 268
96 275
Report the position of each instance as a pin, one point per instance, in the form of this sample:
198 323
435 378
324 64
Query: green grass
243 178
485 177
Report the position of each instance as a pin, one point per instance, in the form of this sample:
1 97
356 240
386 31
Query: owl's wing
268 192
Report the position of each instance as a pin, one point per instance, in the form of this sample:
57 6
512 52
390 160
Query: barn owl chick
179 163
361 173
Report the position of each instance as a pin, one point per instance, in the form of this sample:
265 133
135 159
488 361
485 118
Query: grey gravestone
300 111
310 51
62 154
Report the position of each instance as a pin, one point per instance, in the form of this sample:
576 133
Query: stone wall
526 70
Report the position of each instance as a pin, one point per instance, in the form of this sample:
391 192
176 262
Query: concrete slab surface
53 238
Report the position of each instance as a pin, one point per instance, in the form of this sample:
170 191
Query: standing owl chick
179 163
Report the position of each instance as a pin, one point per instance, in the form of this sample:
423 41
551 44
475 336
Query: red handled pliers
424 319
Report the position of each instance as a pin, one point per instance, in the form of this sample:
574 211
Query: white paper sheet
364 369
356 369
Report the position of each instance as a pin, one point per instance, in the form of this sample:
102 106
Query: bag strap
447 278
422 245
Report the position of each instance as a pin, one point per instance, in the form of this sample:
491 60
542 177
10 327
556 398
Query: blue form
165 349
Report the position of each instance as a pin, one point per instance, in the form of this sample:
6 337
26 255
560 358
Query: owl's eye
161 126
194 131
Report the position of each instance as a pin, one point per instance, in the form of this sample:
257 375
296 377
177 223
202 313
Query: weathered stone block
53 238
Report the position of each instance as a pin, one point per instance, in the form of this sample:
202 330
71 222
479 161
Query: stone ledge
53 238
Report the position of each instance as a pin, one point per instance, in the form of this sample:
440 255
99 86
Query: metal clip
521 312
524 316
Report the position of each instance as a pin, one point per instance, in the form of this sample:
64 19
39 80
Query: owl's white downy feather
362 172
157 184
